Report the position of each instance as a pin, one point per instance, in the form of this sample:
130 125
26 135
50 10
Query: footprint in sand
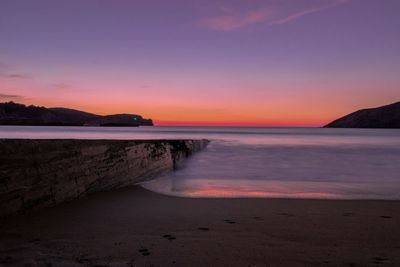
378 261
229 221
144 251
82 258
286 214
169 237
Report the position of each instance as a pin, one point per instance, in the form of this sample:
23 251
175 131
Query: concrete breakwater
41 173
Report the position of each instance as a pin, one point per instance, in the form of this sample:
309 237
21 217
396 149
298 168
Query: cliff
18 114
381 117
42 173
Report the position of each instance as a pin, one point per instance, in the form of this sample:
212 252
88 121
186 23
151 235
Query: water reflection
265 162
245 188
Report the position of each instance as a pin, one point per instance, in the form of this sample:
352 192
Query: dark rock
42 173
381 117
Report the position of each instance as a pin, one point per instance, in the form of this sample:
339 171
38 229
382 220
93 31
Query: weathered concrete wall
42 173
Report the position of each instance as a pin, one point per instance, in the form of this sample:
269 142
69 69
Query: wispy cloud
233 22
14 76
7 72
11 75
10 97
268 15
305 12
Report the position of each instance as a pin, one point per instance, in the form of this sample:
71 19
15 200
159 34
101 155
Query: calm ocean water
265 162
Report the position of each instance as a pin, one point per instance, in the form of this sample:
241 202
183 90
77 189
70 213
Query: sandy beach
136 227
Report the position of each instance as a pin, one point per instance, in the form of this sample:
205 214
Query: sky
203 62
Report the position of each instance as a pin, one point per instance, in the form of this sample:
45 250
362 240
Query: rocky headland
381 117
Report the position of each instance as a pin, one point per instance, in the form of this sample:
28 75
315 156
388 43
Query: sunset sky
203 62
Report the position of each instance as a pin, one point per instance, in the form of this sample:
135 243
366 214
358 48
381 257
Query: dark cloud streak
14 76
10 97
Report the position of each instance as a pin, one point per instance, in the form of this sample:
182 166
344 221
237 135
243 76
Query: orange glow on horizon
306 110
273 116
239 123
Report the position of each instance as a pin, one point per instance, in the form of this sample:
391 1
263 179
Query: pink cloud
233 22
267 15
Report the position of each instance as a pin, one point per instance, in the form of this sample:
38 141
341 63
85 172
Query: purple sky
270 62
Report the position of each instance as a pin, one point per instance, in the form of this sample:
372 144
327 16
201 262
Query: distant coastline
19 114
16 114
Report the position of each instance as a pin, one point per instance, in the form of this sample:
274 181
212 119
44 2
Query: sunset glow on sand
230 188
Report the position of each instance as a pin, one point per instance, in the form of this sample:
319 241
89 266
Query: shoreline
136 227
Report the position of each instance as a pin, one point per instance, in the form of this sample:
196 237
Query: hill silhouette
381 117
19 114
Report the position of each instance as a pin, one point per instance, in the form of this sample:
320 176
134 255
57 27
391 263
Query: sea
263 162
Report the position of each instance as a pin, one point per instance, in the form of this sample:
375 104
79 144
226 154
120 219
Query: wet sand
135 227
